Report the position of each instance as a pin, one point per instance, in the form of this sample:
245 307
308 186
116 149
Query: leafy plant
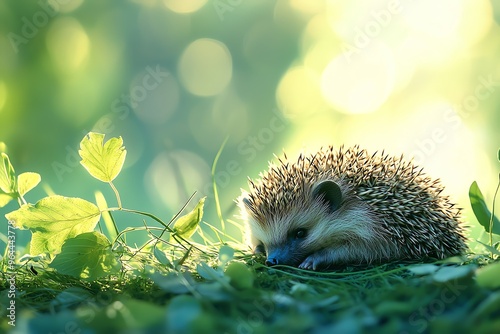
486 218
63 228
12 187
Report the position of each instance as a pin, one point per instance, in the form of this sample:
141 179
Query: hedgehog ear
330 193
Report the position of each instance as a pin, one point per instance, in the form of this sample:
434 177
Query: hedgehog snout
276 257
271 262
285 254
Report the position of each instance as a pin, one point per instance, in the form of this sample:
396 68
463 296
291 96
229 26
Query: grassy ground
237 294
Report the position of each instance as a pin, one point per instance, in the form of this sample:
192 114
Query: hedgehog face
324 221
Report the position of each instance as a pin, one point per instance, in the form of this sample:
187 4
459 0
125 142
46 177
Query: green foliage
26 182
481 210
226 254
186 225
64 227
207 272
162 258
12 188
240 276
53 220
126 314
488 276
447 274
488 220
7 175
102 161
182 313
87 256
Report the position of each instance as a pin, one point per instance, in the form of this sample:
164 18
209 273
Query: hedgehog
348 207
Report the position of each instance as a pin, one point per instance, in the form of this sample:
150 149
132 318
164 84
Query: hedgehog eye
300 233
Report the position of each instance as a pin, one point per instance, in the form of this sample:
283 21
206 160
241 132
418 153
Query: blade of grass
206 239
493 212
217 232
216 194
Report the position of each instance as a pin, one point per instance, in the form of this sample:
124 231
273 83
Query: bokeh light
68 43
205 67
359 83
184 7
3 95
299 93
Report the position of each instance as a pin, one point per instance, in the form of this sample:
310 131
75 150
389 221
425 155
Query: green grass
195 297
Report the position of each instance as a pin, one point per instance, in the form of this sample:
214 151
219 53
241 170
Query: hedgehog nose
271 262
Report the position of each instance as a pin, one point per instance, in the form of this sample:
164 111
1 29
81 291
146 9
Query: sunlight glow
299 93
306 7
183 6
205 67
68 43
3 94
361 82
317 45
440 30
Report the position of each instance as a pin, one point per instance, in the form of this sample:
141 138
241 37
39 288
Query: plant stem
148 215
182 209
216 194
175 236
493 214
21 200
116 194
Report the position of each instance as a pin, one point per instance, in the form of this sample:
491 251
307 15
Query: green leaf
121 315
102 161
5 199
26 182
7 175
487 276
186 225
207 272
72 296
182 314
53 220
162 258
174 282
446 274
87 256
226 254
480 209
8 186
489 248
424 269
241 277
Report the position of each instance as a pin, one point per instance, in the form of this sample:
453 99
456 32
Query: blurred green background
175 77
